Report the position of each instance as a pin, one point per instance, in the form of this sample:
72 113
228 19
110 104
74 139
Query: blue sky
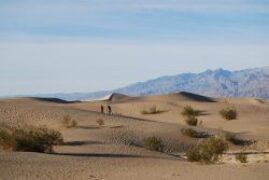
81 46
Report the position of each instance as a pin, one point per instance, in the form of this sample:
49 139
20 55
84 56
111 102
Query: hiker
109 109
102 109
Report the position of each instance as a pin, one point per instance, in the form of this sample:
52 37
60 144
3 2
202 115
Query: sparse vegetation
73 123
241 157
100 122
229 113
189 111
190 115
191 120
152 110
7 141
68 122
154 144
208 151
193 133
30 138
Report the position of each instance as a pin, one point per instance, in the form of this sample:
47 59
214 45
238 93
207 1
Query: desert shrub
189 132
29 138
189 111
208 151
74 123
66 119
241 157
68 122
191 120
200 123
229 113
193 133
153 144
100 122
7 141
151 110
36 139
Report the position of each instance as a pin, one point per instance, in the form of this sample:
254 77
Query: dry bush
241 157
154 144
189 111
68 122
190 115
189 132
229 113
151 110
30 138
193 133
36 139
191 120
7 141
73 123
208 151
100 122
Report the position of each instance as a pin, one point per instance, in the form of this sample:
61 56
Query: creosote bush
229 113
189 111
191 120
30 138
100 122
68 122
189 132
193 133
241 157
190 115
151 110
154 144
7 141
208 151
37 139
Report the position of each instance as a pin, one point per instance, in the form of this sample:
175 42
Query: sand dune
91 151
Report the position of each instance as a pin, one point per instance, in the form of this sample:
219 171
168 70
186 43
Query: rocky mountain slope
217 83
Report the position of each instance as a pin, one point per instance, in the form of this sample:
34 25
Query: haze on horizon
83 46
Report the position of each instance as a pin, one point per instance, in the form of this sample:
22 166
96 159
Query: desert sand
91 151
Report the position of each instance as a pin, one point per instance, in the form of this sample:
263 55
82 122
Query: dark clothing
102 109
109 109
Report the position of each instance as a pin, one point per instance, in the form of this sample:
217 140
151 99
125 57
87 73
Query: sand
91 151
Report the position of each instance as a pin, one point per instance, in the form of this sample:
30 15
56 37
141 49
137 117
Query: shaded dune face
117 97
196 97
54 100
107 149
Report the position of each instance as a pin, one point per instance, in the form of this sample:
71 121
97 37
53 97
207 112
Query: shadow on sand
80 143
111 155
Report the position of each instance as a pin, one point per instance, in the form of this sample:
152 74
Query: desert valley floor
115 149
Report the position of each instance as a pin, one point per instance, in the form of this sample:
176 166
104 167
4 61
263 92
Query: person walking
109 109
102 109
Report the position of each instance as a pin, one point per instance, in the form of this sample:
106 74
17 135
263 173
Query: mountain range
215 83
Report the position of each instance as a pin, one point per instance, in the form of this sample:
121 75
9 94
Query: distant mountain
218 83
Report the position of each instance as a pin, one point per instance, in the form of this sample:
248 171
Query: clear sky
49 46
